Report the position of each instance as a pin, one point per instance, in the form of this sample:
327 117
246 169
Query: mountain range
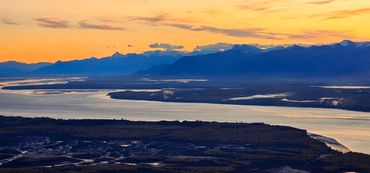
345 58
117 64
10 68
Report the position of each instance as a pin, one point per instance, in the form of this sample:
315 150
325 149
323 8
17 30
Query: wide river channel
348 127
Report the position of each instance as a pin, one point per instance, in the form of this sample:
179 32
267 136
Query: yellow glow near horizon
44 30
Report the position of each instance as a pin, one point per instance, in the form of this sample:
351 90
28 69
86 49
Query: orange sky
45 30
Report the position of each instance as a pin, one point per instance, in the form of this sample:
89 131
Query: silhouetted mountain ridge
346 58
117 64
10 68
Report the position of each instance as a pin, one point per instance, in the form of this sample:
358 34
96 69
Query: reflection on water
265 96
348 127
345 87
45 81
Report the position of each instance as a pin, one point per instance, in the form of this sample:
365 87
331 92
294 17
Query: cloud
165 46
86 25
179 25
51 22
320 2
250 32
154 19
254 8
318 34
9 21
106 19
217 47
266 5
165 20
247 32
342 13
276 5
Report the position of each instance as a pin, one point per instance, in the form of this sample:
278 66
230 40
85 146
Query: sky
51 30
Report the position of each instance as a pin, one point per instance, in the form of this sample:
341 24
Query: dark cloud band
51 22
88 25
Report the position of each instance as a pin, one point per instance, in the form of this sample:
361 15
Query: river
349 127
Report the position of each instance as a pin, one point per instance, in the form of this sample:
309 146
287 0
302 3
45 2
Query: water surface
350 128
